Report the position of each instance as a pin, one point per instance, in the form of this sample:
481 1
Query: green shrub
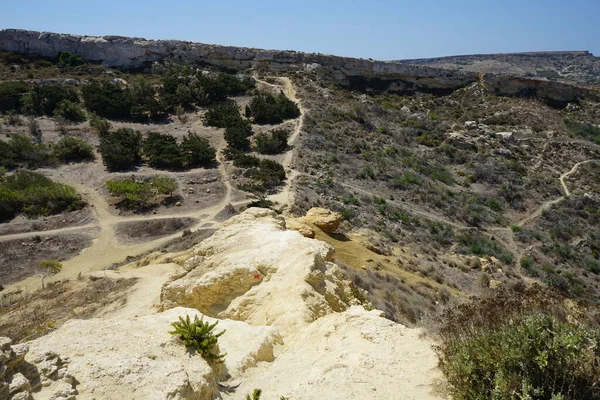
237 134
405 180
274 142
348 214
270 173
484 247
70 149
121 150
44 99
101 125
197 151
70 111
139 195
242 160
11 96
21 151
200 336
268 109
255 395
162 151
519 346
164 185
222 115
67 59
107 99
134 195
33 194
351 199
144 103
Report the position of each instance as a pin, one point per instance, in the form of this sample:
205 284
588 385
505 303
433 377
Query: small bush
107 99
197 151
70 149
67 59
33 194
268 109
121 150
222 115
519 345
21 151
237 134
274 142
484 247
162 151
11 96
200 336
70 111
139 195
44 99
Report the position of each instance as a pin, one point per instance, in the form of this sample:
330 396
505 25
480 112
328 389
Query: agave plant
199 335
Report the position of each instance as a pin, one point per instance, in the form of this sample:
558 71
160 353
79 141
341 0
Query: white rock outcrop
292 327
251 265
138 359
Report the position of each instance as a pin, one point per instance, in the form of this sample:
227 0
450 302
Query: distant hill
580 67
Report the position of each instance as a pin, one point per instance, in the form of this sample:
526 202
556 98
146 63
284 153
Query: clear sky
379 29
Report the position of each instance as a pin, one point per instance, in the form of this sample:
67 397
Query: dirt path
106 248
285 195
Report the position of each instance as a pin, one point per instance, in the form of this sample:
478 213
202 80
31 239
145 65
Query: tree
70 149
144 104
121 150
237 134
273 142
70 111
107 99
162 151
223 114
44 99
197 151
165 185
268 109
134 195
67 59
48 268
11 95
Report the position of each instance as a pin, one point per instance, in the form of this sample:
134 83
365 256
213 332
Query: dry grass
26 317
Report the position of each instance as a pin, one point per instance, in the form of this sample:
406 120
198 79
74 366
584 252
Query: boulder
304 229
460 141
326 220
506 136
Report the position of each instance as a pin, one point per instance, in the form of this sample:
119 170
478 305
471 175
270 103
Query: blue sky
380 29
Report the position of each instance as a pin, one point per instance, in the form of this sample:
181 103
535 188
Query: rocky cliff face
362 74
579 67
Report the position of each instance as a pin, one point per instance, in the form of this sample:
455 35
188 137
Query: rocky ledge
292 328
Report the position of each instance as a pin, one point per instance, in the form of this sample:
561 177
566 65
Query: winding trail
106 248
285 195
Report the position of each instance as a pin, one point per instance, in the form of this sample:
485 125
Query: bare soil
19 257
28 317
141 231
23 224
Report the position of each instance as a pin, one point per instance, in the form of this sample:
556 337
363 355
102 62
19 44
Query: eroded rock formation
293 328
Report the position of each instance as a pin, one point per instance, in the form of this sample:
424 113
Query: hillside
325 210
578 67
